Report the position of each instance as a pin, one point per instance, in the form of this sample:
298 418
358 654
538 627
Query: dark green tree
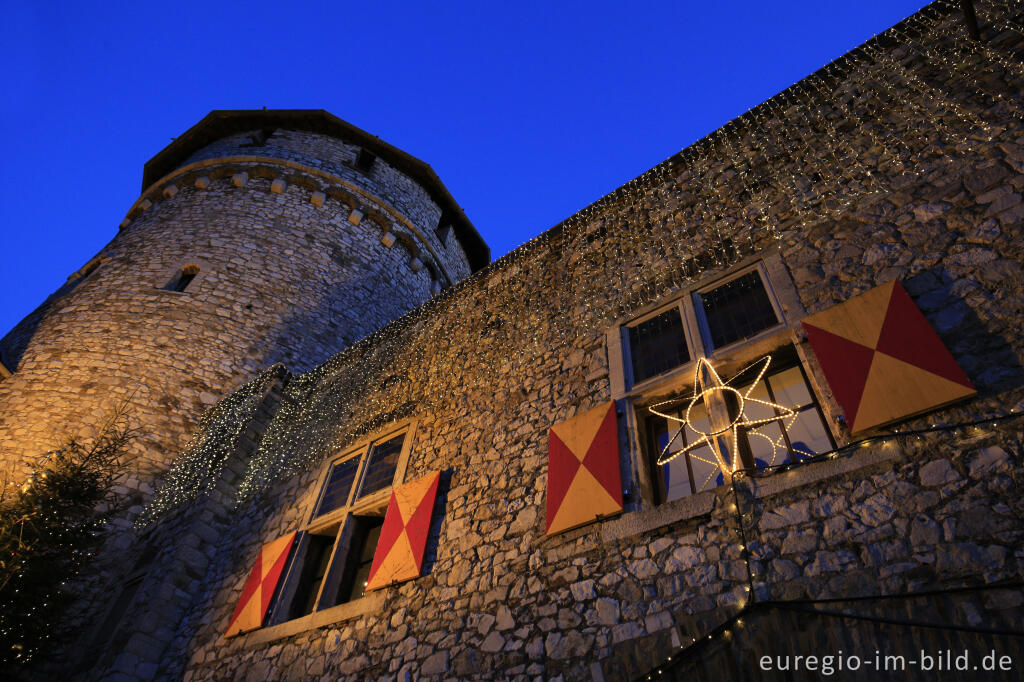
51 525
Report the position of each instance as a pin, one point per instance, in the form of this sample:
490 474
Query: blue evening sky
528 111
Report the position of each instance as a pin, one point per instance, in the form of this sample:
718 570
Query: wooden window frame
340 522
651 448
695 327
700 314
636 397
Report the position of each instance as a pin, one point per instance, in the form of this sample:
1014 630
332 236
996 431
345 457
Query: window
770 444
259 138
657 344
719 315
733 322
184 277
331 558
364 160
443 230
735 310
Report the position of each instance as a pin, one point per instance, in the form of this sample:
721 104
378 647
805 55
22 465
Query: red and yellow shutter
403 536
259 587
882 359
584 482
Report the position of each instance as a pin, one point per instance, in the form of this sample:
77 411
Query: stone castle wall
905 160
293 267
337 158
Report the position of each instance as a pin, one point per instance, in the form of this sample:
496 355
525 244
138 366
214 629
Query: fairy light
509 327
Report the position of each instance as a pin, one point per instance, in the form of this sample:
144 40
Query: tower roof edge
223 122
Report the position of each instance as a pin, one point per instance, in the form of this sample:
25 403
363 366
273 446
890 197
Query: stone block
317 199
504 620
931 211
169 191
202 182
625 631
355 216
493 642
144 204
987 460
875 510
435 664
789 515
278 186
583 590
658 621
938 472
978 181
570 645
924 532
485 623
239 179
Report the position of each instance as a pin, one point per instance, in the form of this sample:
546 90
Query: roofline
224 122
831 72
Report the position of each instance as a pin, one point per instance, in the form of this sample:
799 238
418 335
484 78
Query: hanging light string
696 645
196 471
508 327
754 603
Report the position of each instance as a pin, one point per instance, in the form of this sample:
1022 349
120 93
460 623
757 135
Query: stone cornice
157 191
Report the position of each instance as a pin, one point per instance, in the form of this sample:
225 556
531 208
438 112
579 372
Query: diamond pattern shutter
584 481
403 537
882 359
259 587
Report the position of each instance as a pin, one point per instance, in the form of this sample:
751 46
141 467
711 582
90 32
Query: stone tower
260 237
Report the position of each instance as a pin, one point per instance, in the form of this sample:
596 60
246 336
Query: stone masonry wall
904 159
282 279
337 157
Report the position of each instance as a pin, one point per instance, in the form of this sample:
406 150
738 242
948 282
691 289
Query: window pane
738 309
705 475
339 483
314 566
657 345
789 388
761 442
380 468
677 479
364 545
675 474
808 434
753 411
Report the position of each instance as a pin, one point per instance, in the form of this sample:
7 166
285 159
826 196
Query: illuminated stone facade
902 160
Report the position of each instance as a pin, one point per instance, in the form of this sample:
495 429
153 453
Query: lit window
331 558
771 444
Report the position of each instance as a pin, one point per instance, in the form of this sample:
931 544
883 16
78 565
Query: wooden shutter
583 469
259 587
403 537
882 359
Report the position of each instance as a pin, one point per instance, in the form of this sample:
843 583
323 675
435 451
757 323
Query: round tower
259 237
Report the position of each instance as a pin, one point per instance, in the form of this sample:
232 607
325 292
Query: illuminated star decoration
723 434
